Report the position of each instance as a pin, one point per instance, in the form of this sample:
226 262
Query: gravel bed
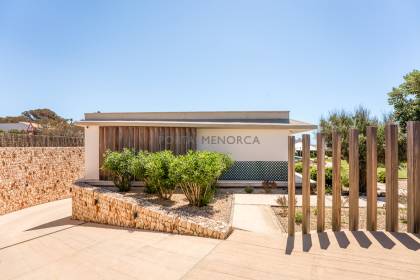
281 214
219 210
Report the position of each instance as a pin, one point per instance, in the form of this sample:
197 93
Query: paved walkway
271 199
43 243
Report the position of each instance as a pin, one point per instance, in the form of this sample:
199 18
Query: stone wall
34 175
99 205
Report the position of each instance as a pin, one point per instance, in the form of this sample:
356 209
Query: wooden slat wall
354 179
115 138
391 165
371 181
336 199
306 192
320 182
413 174
291 186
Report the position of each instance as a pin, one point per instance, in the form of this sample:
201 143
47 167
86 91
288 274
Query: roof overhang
218 119
295 127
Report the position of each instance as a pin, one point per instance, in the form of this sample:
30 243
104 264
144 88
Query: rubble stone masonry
35 175
98 205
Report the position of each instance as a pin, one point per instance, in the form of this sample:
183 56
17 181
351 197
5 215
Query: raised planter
102 205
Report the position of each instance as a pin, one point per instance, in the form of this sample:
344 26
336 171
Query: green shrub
345 180
138 170
118 164
196 174
298 217
208 195
138 166
328 189
381 176
298 167
313 173
328 176
249 189
156 173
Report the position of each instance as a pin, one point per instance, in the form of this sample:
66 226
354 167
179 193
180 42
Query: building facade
256 140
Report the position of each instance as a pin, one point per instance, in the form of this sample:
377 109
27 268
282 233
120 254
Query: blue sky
309 57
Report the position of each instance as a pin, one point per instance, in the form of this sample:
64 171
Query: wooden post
371 181
354 179
391 171
320 182
306 184
291 186
336 200
413 177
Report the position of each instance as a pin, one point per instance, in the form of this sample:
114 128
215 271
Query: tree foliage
119 165
406 99
361 118
196 174
50 122
156 173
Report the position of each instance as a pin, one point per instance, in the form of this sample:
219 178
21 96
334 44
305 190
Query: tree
406 100
50 123
342 121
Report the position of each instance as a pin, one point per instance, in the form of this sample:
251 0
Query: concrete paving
255 218
43 243
271 199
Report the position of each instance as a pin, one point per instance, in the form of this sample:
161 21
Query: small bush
345 180
249 189
196 174
328 189
328 176
156 173
118 164
138 170
381 176
282 201
298 217
208 195
138 166
269 186
313 173
298 167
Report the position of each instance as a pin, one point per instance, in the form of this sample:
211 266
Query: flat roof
213 119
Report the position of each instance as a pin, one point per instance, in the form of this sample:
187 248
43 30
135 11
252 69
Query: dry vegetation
281 214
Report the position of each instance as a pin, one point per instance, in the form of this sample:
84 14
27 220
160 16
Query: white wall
270 145
92 152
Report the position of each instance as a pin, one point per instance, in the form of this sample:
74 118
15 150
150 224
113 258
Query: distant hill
50 123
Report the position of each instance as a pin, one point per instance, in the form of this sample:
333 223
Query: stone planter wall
99 205
34 175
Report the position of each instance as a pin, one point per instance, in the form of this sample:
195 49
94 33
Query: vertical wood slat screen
306 184
291 186
371 177
320 182
354 179
391 167
413 174
336 195
153 139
